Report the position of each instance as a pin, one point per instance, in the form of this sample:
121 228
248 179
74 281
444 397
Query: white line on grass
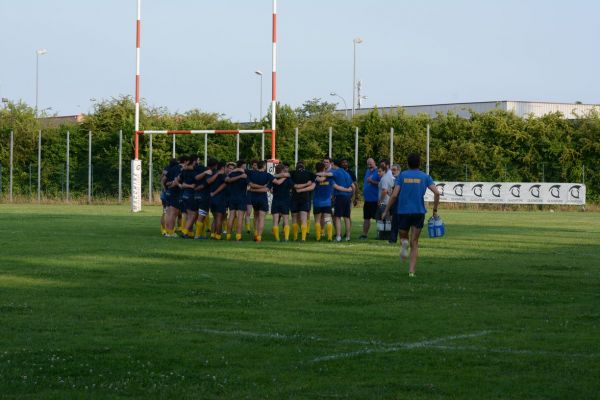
399 346
516 351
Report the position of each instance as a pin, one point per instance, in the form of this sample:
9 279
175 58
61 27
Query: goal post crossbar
205 132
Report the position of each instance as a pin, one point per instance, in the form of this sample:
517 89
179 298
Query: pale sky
203 54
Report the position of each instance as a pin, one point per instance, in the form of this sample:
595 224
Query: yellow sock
185 232
276 232
318 231
217 236
183 221
248 227
162 229
295 231
258 238
308 226
224 226
207 223
199 226
286 232
171 231
212 235
238 236
329 228
229 236
304 229
234 226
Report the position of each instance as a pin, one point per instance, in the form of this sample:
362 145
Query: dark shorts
202 202
173 200
260 204
238 204
369 209
163 199
280 206
189 202
322 210
218 206
405 221
299 205
342 206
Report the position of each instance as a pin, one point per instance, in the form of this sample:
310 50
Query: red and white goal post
136 163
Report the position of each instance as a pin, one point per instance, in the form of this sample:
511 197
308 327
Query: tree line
491 146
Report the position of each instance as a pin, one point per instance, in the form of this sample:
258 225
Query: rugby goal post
136 163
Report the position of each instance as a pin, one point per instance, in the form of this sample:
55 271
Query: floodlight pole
39 167
427 151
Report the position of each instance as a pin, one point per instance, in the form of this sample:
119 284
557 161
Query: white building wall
520 108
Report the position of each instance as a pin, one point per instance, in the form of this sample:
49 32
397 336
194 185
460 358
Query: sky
203 54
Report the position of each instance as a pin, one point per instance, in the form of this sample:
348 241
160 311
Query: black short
237 204
203 202
173 199
280 207
260 204
322 210
405 221
299 205
189 202
370 209
218 206
342 206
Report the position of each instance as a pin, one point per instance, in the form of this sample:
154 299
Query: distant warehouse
520 108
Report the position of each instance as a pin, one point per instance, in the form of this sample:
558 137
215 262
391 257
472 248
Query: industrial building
520 108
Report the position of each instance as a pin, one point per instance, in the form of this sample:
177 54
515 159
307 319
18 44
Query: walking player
408 193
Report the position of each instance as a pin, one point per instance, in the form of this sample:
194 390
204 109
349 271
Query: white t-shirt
387 182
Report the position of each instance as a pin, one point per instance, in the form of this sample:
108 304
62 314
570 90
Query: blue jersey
219 180
188 176
260 178
173 173
371 191
283 192
322 193
237 189
413 184
343 179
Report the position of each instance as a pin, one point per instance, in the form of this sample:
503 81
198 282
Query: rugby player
259 186
237 181
202 197
218 205
300 207
280 205
407 196
187 179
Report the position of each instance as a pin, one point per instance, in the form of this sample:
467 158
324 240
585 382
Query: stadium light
345 104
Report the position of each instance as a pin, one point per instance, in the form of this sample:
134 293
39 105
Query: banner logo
574 191
478 190
535 191
515 190
495 189
458 189
555 191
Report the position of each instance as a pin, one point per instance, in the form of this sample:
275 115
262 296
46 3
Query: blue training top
413 184
371 191
322 193
341 178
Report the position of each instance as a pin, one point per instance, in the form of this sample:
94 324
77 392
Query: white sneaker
338 239
404 250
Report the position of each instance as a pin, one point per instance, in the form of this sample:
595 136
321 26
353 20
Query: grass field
95 304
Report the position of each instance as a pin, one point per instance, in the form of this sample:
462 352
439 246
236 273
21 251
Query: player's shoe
411 275
404 250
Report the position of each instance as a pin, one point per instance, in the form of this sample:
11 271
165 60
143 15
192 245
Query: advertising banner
510 193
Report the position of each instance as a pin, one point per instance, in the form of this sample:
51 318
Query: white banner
136 185
510 193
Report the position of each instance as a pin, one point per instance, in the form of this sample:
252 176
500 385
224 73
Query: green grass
95 304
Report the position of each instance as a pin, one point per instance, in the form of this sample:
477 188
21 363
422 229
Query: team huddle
232 192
